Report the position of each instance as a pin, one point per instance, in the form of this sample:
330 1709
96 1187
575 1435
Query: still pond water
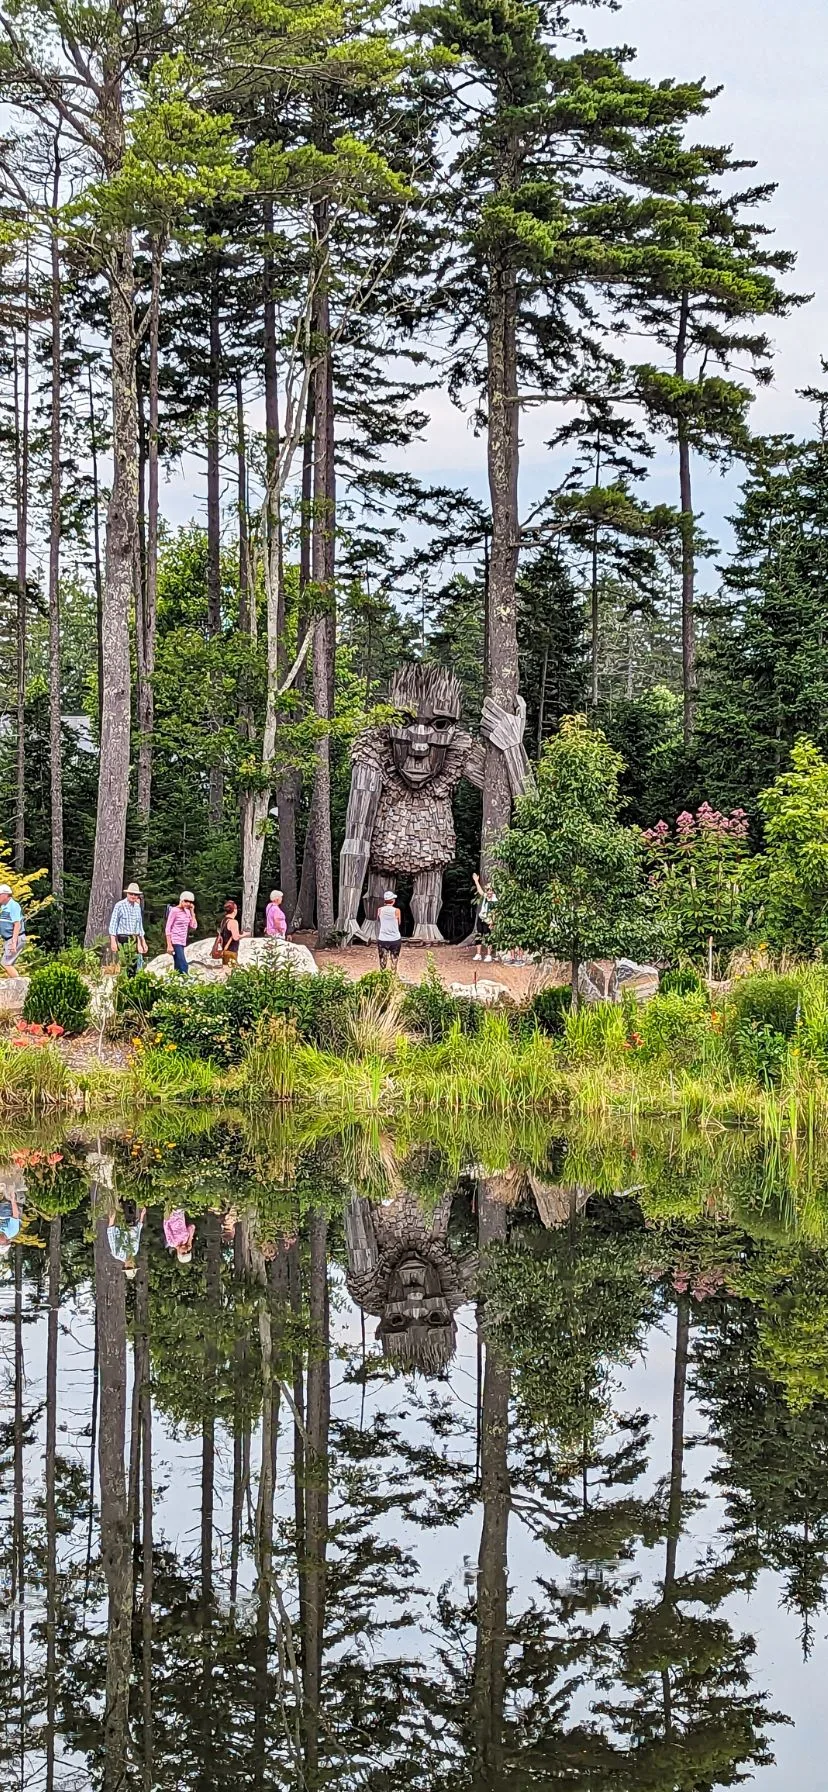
442 1464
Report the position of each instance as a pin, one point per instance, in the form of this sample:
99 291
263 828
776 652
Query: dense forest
247 246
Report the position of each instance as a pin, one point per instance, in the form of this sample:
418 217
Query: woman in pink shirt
180 922
275 918
179 1235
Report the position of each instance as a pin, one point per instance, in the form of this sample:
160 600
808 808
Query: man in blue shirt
126 928
12 931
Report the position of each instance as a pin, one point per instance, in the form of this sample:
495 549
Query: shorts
12 951
388 949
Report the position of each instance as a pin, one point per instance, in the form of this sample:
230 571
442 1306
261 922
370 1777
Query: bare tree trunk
96 542
688 542
51 1505
121 549
208 1483
216 802
142 1369
149 616
21 439
55 729
501 609
247 597
492 1586
110 1296
322 572
595 606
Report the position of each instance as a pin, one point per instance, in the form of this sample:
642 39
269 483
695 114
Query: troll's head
428 699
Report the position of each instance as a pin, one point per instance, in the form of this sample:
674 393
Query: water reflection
440 1462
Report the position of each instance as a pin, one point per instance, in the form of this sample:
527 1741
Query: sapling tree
792 875
570 877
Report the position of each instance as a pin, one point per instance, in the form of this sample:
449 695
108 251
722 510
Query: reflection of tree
773 1473
110 1299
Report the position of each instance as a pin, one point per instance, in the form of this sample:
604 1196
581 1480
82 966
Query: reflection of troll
403 780
400 1268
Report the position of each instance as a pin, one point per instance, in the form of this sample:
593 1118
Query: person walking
12 931
275 917
180 923
389 937
126 928
229 933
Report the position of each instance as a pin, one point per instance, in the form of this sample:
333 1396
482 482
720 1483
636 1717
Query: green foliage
549 1009
792 877
596 1032
765 1000
684 980
571 880
57 994
431 1011
675 1026
759 1051
218 1021
699 876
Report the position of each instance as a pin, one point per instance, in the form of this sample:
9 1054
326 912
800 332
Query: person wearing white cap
180 923
389 936
126 928
12 931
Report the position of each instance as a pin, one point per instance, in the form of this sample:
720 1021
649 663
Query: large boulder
605 980
275 953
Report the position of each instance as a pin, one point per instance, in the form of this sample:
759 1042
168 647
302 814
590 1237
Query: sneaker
488 958
477 958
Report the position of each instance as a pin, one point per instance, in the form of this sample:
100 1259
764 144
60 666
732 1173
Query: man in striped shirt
126 928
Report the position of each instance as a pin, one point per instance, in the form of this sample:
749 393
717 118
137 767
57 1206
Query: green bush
675 1026
57 994
136 997
682 981
765 1000
431 1010
758 1051
549 1008
378 985
218 1020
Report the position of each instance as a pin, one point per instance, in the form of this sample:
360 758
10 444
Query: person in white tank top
389 937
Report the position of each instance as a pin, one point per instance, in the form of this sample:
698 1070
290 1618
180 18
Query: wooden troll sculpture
403 779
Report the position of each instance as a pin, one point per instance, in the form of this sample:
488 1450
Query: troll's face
428 699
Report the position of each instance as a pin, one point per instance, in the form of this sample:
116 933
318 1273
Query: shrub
380 986
596 1032
683 981
759 1051
675 1027
136 997
57 995
219 1020
431 1010
549 1009
765 1000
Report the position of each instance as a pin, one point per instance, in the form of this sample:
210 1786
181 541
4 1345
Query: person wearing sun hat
126 928
181 921
12 931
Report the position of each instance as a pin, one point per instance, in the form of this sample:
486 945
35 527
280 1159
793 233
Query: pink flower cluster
705 821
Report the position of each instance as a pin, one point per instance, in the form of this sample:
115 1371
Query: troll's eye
443 721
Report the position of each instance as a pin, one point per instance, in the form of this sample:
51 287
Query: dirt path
454 964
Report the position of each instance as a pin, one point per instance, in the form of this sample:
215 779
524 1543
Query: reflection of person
486 904
12 931
9 1220
126 928
124 1235
179 1235
389 937
181 921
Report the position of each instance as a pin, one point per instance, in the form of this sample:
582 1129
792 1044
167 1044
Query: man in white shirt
126 928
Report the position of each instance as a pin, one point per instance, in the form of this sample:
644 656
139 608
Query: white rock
251 952
482 991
